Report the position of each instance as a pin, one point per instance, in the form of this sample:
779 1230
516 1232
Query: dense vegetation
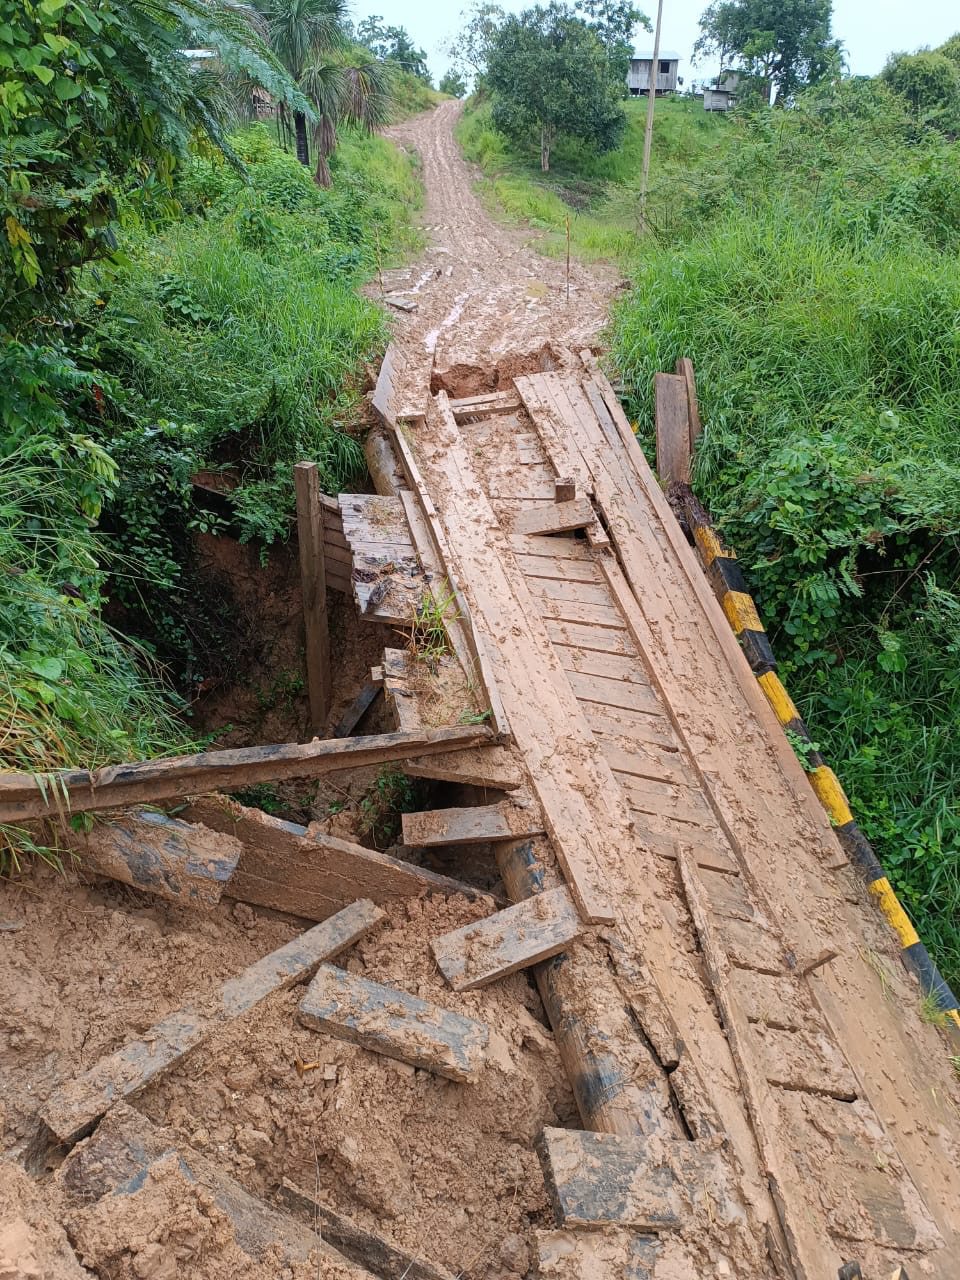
808 259
177 296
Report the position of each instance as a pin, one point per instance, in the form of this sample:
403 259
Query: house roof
646 55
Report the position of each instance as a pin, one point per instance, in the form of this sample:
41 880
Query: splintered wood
513 939
73 1109
389 582
395 1024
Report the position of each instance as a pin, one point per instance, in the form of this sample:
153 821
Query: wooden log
357 709
523 934
685 369
126 1147
180 861
608 1179
558 517
395 1024
472 825
29 795
313 584
617 1084
382 463
74 1108
672 419
389 1261
308 873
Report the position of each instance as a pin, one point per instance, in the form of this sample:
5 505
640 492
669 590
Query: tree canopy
452 82
393 44
551 72
930 81
783 44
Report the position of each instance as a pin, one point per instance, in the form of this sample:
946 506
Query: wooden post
313 582
648 130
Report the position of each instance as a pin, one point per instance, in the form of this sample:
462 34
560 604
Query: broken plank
28 795
472 825
607 1179
395 1024
532 930
558 517
75 1107
672 420
181 861
556 548
357 710
558 568
311 874
364 1247
488 767
126 1148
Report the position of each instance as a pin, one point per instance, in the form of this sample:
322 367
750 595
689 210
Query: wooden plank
557 442
308 873
803 1060
493 768
385 400
559 569
685 369
361 1245
682 803
313 586
565 489
373 518
612 666
181 861
117 1160
589 639
566 589
556 548
593 615
608 1179
513 939
643 760
395 1024
558 517
672 421
75 1107
472 825
357 709
596 1255
811 1250
27 795
773 1001
626 694
631 725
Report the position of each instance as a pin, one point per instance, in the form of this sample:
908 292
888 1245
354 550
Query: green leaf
52 7
66 89
46 668
43 74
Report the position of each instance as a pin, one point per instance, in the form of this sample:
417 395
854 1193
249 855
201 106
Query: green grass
598 192
411 96
812 273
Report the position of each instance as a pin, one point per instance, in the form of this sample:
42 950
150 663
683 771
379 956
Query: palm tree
342 83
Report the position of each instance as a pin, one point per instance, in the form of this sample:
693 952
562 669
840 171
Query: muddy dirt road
481 289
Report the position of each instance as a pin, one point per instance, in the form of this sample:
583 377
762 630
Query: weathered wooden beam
29 795
117 1159
672 420
307 873
75 1107
180 861
512 939
382 463
685 369
357 709
557 517
395 1024
565 489
389 1261
608 1179
477 824
313 584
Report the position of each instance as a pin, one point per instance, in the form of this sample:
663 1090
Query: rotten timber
672 419
519 936
313 586
73 1109
181 861
395 1024
479 824
307 873
28 795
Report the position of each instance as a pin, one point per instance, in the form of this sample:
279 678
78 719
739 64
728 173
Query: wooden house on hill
638 76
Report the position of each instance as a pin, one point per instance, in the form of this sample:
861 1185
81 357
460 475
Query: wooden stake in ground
648 131
568 259
313 583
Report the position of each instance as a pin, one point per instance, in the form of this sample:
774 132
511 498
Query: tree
470 48
452 82
551 72
615 22
393 44
783 44
99 102
929 81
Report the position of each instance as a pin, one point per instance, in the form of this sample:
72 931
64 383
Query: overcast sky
869 29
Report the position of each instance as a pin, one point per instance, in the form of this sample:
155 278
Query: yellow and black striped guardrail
729 586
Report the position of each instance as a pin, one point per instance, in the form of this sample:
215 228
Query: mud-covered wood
357 709
557 517
28 795
118 1158
672 419
578 1254
472 825
389 1261
181 861
512 939
684 368
308 873
72 1109
382 463
313 586
607 1179
389 580
395 1024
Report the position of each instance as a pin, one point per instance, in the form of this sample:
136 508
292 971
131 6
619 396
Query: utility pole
648 132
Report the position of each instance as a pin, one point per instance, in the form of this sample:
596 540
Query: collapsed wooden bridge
753 1096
